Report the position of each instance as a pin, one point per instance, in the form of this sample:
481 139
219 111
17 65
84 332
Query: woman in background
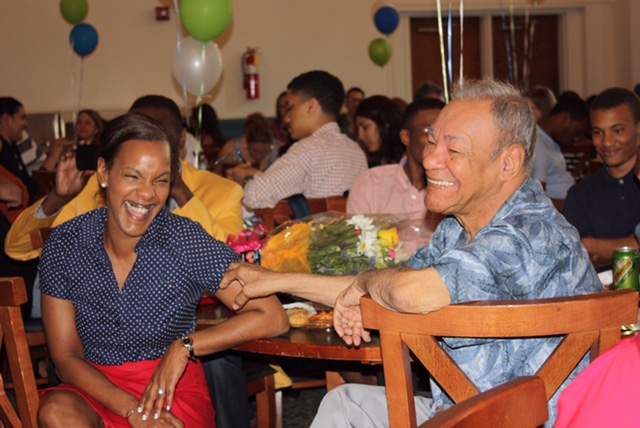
120 320
379 123
256 149
89 126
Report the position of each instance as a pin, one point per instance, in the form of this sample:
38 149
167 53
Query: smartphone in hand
87 157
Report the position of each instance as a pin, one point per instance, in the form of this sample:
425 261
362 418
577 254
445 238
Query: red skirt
191 404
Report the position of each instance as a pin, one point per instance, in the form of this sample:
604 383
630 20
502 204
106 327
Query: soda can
625 268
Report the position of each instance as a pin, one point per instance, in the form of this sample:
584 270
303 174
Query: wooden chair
586 165
13 293
588 323
520 403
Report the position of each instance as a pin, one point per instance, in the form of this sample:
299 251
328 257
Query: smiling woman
120 319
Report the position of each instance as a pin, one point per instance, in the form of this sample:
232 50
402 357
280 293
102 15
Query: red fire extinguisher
250 64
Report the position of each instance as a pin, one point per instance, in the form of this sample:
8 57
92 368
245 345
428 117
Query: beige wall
134 53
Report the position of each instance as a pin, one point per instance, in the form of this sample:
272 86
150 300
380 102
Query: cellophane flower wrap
335 244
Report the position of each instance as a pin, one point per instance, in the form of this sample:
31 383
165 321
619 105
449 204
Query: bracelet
247 178
129 413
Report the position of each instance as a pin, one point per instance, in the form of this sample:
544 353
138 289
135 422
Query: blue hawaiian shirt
177 260
528 251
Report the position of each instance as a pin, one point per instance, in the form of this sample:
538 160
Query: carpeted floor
300 406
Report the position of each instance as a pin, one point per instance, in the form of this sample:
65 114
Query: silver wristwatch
187 342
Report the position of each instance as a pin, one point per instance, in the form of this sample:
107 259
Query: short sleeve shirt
176 261
551 167
604 207
528 251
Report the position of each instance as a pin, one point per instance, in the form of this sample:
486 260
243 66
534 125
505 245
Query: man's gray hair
512 113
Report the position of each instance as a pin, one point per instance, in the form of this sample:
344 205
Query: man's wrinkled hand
347 317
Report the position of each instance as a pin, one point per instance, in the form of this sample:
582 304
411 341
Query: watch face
187 342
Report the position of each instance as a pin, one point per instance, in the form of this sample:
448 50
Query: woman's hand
256 282
240 173
161 390
165 420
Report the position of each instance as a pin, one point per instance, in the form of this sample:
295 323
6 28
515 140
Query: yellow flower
389 238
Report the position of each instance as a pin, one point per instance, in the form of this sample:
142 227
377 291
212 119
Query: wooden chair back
588 323
587 162
282 212
13 293
520 403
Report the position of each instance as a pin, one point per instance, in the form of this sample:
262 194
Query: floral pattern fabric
528 251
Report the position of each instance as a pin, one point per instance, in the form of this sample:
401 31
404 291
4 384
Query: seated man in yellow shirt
207 198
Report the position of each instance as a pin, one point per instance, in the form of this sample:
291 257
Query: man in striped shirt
323 162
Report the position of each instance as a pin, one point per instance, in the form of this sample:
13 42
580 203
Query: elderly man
502 239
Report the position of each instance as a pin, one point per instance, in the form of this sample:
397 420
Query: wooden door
426 64
543 65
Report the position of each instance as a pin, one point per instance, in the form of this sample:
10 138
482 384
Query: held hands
255 282
347 316
157 400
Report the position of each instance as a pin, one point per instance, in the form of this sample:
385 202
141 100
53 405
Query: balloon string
532 30
80 85
507 41
461 81
183 78
387 73
525 56
203 60
74 88
442 57
513 42
450 46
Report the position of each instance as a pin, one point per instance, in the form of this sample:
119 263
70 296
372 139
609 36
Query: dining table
309 343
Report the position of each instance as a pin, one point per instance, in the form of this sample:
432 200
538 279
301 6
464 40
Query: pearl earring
103 185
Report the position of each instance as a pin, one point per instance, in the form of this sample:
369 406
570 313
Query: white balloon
197 65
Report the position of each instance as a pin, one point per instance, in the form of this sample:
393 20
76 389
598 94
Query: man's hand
347 316
255 280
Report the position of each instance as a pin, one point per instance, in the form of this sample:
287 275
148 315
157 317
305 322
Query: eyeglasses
354 100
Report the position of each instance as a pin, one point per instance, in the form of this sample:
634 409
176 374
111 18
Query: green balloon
74 11
380 51
205 20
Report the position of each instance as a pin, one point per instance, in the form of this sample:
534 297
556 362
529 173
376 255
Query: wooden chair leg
334 380
8 415
20 364
265 400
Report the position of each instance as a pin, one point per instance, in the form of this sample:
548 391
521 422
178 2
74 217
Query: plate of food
305 315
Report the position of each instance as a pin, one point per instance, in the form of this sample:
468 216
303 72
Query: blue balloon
386 19
84 39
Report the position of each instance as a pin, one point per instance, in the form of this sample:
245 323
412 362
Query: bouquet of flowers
335 244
